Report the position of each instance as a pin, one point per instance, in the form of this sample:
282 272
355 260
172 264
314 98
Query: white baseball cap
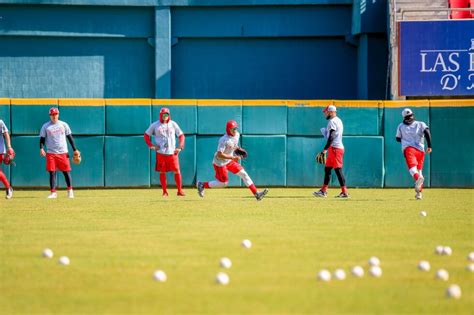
330 108
406 112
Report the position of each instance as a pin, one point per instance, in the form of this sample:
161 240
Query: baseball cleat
419 196
320 194
419 184
200 188
53 195
70 194
342 195
9 193
260 194
181 193
165 194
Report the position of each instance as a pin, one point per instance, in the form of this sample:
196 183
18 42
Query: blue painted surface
84 120
177 2
213 119
264 120
28 119
30 169
127 120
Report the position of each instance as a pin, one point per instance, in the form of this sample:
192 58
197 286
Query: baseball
48 253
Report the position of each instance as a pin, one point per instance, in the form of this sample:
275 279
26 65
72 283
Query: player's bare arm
224 156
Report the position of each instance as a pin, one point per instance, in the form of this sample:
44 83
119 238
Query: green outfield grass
117 238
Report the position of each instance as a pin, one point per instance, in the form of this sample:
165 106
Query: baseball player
54 134
226 160
165 131
412 133
5 150
335 152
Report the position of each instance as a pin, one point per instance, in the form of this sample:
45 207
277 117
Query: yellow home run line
222 102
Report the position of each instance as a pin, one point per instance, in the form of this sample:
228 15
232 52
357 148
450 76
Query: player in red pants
225 160
411 134
4 151
165 131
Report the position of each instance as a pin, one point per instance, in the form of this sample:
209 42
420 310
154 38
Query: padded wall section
27 118
266 164
127 117
305 120
187 163
213 119
85 117
396 170
90 173
359 121
363 162
30 169
206 146
185 115
302 170
453 152
5 111
127 162
264 119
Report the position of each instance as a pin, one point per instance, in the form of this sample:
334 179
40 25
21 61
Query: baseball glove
76 159
9 157
321 158
241 152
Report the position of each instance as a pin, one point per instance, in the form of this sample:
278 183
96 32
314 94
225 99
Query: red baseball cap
53 111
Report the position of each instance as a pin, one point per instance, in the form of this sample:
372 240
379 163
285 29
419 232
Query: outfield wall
282 137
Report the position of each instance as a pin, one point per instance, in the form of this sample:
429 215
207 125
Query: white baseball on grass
470 257
246 243
222 278
324 275
453 291
447 250
225 262
374 261
470 267
423 213
375 271
48 253
442 274
64 260
424 265
439 250
358 271
339 274
160 275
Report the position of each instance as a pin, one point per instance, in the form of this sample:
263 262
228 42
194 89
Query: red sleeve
148 140
181 141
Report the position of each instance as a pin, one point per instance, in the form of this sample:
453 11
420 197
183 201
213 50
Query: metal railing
447 10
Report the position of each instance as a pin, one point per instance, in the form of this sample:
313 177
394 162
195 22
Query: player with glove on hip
412 133
226 159
6 155
54 134
165 131
335 153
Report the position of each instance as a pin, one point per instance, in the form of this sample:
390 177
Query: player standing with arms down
165 131
412 133
4 151
54 134
335 150
225 160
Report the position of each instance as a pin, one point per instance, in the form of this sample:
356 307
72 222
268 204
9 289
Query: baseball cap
330 108
53 111
406 112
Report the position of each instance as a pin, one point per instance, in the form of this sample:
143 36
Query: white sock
245 178
217 184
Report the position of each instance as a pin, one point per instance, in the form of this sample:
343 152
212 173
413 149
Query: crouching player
225 160
411 134
4 152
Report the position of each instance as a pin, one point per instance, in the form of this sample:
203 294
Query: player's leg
4 180
420 159
51 169
163 184
160 166
64 165
68 179
412 163
338 163
221 182
173 166
240 171
327 177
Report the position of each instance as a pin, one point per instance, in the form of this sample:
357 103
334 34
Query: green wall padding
127 161
84 120
302 169
127 120
266 163
264 120
305 121
90 173
184 115
453 151
360 121
28 119
5 115
212 119
187 163
396 169
30 169
206 146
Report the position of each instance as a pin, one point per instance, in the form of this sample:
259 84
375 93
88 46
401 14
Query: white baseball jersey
336 125
55 135
3 129
227 145
165 136
412 135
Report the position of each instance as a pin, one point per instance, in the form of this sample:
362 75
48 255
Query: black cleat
342 195
320 194
260 194
200 188
9 193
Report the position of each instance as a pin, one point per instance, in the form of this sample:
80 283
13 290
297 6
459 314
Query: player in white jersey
54 134
225 160
335 150
411 134
4 152
165 132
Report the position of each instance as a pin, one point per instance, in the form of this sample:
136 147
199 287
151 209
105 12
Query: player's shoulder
46 124
421 123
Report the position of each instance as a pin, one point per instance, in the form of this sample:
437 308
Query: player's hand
324 151
10 151
177 150
42 152
77 152
429 150
154 148
236 158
